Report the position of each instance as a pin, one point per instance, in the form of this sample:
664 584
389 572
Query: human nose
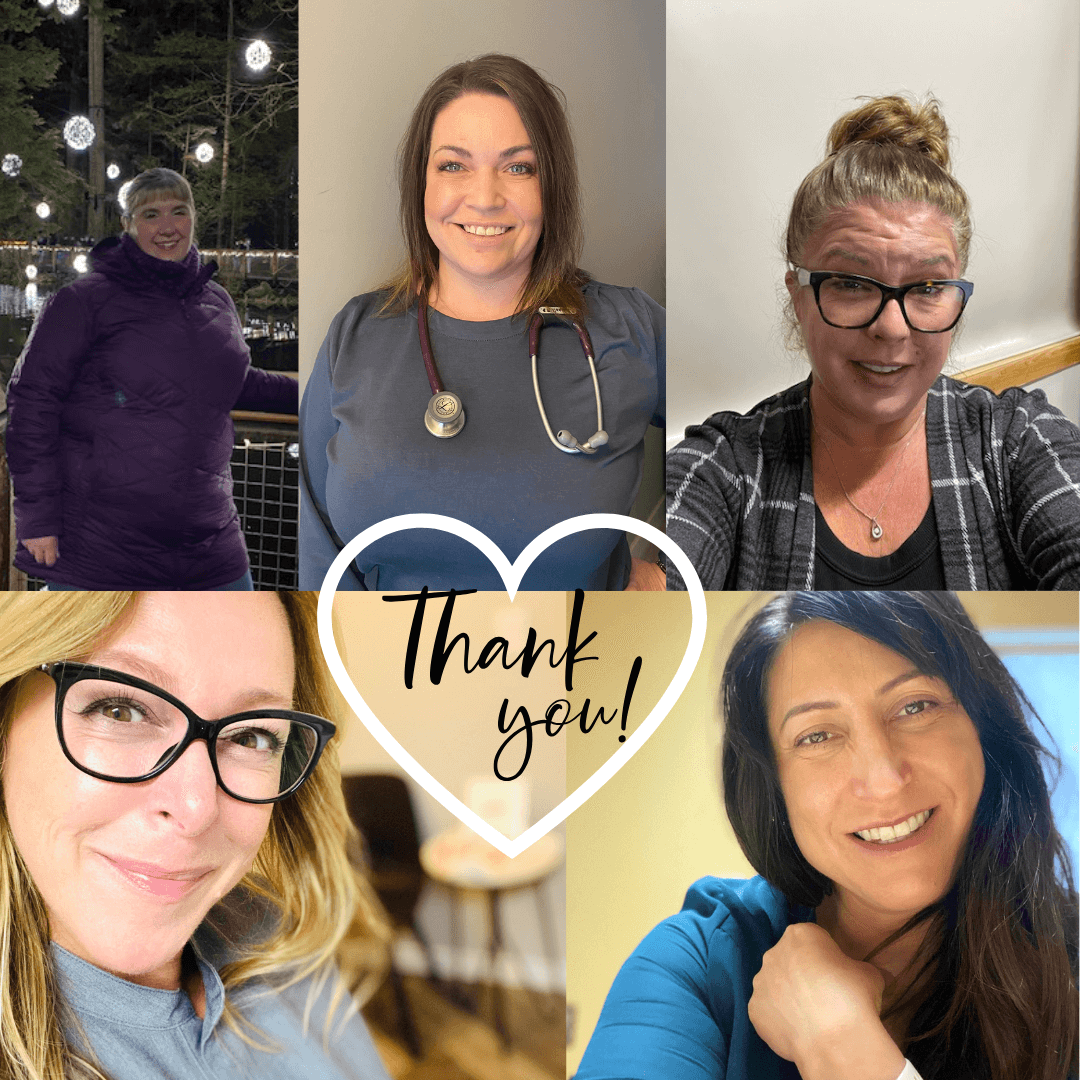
879 770
890 323
485 192
187 791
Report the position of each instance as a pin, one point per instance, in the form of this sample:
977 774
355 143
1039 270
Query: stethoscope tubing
535 325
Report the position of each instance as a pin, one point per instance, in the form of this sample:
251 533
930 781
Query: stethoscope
445 415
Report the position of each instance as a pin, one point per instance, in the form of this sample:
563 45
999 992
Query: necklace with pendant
876 531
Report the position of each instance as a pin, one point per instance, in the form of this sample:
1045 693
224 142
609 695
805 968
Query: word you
515 751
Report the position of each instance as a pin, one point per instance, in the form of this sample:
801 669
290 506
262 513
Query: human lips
169 883
891 832
880 369
484 230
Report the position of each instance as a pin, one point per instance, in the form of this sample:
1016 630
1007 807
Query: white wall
752 91
364 67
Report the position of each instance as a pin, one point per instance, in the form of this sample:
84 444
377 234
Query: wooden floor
458 1044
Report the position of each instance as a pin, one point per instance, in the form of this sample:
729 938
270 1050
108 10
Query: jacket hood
121 259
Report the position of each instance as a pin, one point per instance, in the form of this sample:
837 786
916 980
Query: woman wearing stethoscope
492 380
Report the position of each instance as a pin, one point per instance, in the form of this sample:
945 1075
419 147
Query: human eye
919 707
814 738
260 739
450 167
930 290
117 710
521 168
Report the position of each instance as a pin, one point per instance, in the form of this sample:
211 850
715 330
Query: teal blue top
677 1009
135 1032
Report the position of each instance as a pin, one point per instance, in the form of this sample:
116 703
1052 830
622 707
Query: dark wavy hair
1002 1001
555 277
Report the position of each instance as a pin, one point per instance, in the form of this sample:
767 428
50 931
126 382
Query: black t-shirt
916 563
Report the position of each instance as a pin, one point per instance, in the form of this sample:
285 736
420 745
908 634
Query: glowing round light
204 152
122 194
80 264
67 7
257 55
31 293
31 272
11 165
46 3
79 132
43 210
113 171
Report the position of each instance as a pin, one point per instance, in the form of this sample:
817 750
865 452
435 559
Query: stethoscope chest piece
445 415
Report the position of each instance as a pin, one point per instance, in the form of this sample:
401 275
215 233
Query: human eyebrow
814 706
844 253
808 706
460 151
129 663
933 260
526 148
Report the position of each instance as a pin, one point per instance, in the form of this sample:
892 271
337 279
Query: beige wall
452 730
752 92
659 824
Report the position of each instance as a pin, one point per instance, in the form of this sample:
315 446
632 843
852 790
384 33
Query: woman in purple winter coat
119 436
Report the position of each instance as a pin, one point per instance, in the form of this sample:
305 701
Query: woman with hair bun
915 914
878 471
423 397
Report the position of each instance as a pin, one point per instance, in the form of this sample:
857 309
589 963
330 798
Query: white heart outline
512 573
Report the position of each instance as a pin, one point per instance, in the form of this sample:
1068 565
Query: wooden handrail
1025 367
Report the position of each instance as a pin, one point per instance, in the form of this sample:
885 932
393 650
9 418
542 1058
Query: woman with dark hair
915 915
119 439
493 235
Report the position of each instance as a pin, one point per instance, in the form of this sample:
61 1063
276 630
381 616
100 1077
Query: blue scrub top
369 456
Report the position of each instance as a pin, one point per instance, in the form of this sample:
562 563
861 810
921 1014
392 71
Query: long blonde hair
301 871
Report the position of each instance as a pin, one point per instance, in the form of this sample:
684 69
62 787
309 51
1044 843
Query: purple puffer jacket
119 435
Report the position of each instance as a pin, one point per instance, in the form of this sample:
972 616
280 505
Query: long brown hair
554 278
1002 999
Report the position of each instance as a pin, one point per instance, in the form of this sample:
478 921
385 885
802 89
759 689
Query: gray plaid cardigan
1005 477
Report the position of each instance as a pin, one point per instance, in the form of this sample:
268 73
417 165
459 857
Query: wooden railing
1026 367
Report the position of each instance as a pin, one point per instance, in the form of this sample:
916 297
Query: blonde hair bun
897 121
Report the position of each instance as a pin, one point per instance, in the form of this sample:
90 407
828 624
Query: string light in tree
67 7
31 272
11 165
204 153
43 210
122 194
79 133
113 171
258 55
80 263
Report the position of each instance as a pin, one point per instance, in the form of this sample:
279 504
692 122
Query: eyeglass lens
123 732
849 303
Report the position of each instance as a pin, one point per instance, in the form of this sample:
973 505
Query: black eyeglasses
122 729
851 302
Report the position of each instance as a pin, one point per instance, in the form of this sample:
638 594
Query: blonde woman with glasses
174 889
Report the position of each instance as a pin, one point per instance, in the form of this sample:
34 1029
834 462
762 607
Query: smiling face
128 871
894 243
865 744
482 201
162 228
